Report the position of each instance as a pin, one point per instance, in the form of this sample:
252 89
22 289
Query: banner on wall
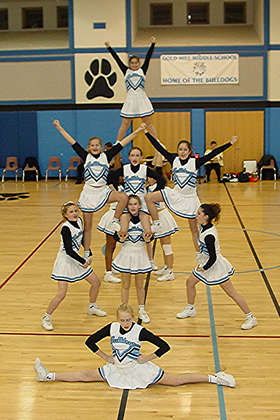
199 69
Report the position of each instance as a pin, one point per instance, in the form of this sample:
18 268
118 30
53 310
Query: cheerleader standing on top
137 104
126 367
182 199
168 227
96 193
212 267
133 258
70 267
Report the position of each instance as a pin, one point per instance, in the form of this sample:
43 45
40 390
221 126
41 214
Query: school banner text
199 69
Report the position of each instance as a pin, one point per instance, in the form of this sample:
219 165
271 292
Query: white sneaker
188 312
110 278
225 379
249 323
40 370
161 270
154 266
155 226
46 322
168 275
114 226
95 310
144 316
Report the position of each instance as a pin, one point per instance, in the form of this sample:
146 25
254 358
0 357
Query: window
235 12
32 17
62 16
198 13
161 14
4 19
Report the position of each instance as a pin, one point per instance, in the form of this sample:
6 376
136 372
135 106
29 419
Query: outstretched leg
219 378
250 320
43 375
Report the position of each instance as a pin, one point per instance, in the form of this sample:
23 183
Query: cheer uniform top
68 265
133 257
183 199
135 178
126 372
96 168
216 268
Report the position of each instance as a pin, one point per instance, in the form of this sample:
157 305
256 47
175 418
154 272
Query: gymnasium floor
250 238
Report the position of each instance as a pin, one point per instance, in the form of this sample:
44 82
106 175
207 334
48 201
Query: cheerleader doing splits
70 267
136 104
133 258
213 268
182 199
96 193
126 367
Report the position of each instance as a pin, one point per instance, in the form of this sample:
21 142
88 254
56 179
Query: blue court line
222 406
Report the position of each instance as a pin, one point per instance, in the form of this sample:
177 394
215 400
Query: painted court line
255 255
256 337
222 405
30 255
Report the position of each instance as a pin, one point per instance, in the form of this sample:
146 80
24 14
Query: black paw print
100 85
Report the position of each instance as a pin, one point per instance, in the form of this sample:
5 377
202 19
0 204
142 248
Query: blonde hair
124 307
65 207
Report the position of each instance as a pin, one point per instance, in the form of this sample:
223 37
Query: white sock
46 315
115 219
92 305
156 222
190 306
108 272
212 379
87 254
141 307
249 315
50 376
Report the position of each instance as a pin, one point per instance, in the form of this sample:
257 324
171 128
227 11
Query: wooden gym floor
250 238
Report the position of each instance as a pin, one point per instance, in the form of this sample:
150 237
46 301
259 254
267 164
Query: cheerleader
70 267
212 267
167 227
96 193
134 177
182 199
137 104
133 257
104 226
126 367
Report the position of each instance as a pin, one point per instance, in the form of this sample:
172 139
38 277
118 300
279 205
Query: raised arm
149 55
117 59
63 132
215 152
160 148
76 146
